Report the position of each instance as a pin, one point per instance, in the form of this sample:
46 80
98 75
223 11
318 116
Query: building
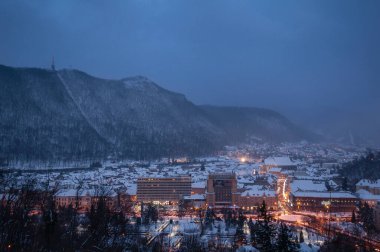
368 197
252 198
83 199
323 201
163 190
277 171
221 190
376 215
308 185
195 201
368 191
198 188
372 186
280 162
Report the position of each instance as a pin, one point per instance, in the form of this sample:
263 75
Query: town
189 126
213 202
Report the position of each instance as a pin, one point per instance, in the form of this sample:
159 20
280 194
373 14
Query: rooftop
279 161
325 195
222 175
369 183
308 185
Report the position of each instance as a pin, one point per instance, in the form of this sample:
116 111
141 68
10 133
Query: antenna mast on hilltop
52 64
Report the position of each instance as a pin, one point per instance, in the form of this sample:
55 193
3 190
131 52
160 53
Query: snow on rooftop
326 195
200 184
275 169
279 161
256 190
369 183
365 195
132 189
307 185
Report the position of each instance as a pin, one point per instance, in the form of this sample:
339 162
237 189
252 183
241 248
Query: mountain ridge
69 114
244 122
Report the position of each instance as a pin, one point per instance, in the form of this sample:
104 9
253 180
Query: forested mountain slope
70 115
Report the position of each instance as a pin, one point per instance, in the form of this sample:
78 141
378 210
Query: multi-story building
83 199
161 189
252 198
367 197
368 191
323 201
221 190
376 213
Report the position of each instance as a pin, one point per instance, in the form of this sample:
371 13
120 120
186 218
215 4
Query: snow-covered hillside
71 115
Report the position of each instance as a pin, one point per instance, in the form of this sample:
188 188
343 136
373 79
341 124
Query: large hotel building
170 189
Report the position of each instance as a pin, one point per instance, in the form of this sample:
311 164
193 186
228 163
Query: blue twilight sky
298 57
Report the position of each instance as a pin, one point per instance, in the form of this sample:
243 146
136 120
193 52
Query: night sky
301 58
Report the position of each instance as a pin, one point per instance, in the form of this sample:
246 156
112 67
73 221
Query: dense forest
365 167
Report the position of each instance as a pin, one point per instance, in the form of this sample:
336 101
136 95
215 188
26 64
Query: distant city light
243 159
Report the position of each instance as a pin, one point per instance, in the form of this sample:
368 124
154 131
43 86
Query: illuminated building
221 190
376 215
323 201
252 199
83 199
170 189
